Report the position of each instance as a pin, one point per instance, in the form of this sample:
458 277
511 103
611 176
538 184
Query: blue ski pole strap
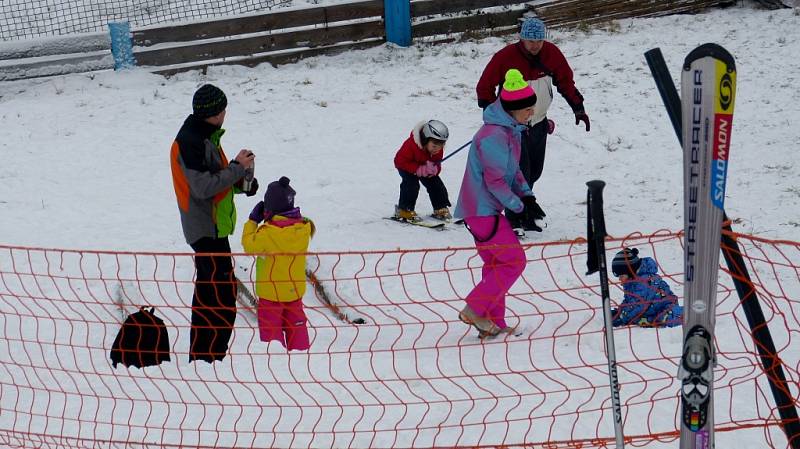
454 152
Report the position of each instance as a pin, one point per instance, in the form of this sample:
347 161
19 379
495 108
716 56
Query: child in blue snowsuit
648 301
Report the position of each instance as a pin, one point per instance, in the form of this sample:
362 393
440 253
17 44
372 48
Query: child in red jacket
418 161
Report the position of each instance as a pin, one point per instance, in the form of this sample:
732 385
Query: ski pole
596 230
454 152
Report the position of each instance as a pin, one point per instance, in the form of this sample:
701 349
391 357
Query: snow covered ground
86 156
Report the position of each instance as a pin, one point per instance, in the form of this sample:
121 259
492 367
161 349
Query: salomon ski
708 86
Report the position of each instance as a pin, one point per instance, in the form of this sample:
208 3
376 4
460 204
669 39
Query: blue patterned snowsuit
648 300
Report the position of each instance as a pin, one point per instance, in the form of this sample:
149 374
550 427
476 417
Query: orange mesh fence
410 375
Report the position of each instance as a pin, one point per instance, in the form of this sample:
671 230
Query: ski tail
708 86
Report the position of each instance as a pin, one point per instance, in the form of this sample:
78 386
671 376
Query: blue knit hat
626 262
533 29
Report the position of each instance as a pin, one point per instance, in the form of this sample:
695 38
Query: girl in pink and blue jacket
493 182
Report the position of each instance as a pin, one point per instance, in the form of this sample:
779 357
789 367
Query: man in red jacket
543 65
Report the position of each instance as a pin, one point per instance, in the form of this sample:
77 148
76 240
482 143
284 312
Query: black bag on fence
142 341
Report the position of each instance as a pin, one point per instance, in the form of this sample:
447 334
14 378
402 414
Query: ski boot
508 330
442 214
485 326
406 215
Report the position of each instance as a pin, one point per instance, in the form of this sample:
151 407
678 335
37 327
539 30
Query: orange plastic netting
412 375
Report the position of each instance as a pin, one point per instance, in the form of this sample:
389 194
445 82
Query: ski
438 225
708 85
323 295
244 296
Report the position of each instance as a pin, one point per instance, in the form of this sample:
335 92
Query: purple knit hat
279 197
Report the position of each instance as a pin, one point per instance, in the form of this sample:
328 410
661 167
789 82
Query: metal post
121 45
397 17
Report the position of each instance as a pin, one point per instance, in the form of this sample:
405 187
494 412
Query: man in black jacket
205 183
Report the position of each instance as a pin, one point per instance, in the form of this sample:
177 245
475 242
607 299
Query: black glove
532 208
581 116
253 187
531 213
483 103
529 224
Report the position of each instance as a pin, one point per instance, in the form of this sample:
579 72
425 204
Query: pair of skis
425 223
703 120
442 225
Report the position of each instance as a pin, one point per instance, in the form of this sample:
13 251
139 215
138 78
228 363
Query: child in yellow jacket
280 243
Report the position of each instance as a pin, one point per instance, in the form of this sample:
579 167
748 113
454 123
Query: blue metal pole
121 45
397 15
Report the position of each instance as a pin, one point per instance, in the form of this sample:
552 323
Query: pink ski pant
504 261
284 322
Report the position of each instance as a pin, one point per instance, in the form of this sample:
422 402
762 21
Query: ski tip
712 50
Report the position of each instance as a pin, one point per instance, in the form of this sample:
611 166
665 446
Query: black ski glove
253 187
532 208
529 224
483 103
531 213
581 116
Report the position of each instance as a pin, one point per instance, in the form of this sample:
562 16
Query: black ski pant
214 300
409 191
531 160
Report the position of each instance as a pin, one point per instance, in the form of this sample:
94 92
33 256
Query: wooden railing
276 38
286 36
437 17
568 13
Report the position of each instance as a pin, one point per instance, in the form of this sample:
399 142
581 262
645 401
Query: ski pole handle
596 204
454 152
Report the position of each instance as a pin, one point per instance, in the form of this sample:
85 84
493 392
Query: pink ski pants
284 322
504 261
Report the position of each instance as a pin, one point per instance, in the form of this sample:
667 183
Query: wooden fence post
397 14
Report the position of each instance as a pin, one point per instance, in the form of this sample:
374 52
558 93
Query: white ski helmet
435 129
